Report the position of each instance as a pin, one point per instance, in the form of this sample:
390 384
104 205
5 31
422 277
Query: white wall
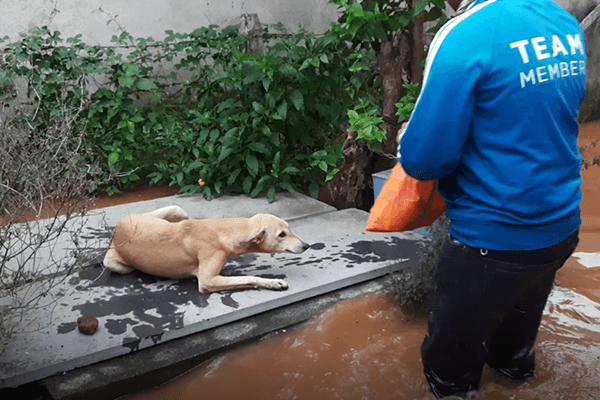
150 18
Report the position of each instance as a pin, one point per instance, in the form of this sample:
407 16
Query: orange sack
405 204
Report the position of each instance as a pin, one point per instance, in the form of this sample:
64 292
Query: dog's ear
259 237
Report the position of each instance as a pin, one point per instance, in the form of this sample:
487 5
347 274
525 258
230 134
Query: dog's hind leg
169 213
113 262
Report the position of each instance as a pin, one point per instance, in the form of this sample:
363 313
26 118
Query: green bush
198 106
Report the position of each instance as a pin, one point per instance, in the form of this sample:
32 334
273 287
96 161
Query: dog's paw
276 284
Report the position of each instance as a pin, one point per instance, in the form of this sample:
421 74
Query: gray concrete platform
138 311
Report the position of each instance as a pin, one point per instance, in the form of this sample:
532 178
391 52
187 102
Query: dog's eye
282 234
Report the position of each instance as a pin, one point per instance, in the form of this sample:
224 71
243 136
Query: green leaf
276 161
179 178
225 104
297 99
259 108
145 84
331 174
287 186
131 69
282 110
320 154
111 190
353 116
233 176
421 5
271 194
329 37
113 158
214 135
225 152
358 67
306 64
259 147
192 189
126 81
247 185
155 177
194 166
287 69
290 170
323 166
266 84
433 15
230 138
260 185
252 163
254 76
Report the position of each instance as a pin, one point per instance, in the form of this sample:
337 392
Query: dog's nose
305 246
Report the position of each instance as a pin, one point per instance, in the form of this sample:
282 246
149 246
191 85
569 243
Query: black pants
487 308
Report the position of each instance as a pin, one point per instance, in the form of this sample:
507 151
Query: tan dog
167 243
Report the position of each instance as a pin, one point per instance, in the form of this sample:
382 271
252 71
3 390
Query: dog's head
271 234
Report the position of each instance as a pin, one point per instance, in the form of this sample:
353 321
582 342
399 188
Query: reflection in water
589 260
571 315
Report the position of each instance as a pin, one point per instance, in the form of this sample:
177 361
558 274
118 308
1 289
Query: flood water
368 347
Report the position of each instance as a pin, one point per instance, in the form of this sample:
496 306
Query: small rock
87 324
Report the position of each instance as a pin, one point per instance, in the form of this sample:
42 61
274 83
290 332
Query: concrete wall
150 18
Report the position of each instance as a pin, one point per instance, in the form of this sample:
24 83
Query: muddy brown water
368 347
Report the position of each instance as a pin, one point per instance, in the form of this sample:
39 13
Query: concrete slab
137 371
94 229
138 311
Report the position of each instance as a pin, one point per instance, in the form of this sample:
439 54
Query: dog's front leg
210 280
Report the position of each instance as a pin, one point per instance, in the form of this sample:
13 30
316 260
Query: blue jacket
496 124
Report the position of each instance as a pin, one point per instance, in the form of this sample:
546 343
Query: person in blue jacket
495 124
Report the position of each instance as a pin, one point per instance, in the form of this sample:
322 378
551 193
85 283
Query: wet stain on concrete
229 302
135 295
119 326
156 338
373 251
133 345
272 276
67 327
144 331
317 246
